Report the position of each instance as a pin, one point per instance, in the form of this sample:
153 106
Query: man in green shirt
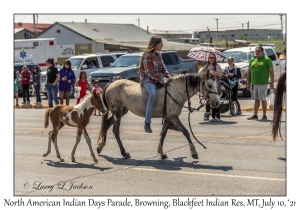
260 67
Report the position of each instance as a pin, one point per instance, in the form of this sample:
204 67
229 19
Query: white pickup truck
82 62
242 58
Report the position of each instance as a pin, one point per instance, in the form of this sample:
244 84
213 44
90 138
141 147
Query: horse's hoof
127 155
95 160
73 160
195 156
45 154
62 160
164 156
98 150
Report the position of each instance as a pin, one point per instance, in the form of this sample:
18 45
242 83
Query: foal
77 116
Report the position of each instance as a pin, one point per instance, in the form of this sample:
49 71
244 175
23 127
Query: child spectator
96 87
83 83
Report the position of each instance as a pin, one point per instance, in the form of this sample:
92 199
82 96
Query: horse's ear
94 92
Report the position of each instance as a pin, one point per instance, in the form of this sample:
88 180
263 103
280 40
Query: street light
167 35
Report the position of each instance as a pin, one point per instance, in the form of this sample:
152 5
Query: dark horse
124 95
278 101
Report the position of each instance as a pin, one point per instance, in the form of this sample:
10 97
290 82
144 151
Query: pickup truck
242 58
127 67
82 62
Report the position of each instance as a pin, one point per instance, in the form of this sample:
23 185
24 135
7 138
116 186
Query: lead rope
191 110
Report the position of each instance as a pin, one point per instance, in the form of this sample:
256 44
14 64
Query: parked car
127 66
19 66
242 58
82 62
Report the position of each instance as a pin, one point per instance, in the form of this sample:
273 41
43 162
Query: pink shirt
98 88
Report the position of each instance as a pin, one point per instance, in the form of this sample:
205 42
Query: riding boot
147 128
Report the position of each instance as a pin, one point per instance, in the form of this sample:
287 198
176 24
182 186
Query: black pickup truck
127 66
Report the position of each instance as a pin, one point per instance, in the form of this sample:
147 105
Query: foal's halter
202 103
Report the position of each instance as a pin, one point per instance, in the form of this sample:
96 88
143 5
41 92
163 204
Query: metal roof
109 31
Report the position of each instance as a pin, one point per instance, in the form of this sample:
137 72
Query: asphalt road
239 159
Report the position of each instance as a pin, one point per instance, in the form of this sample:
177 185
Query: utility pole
138 22
281 28
34 28
37 23
167 35
248 24
217 22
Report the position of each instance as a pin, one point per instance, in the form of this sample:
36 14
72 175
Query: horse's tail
278 101
105 116
46 122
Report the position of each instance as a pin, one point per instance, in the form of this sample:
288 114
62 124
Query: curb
30 106
260 109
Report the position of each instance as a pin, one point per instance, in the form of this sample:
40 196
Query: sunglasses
211 57
258 51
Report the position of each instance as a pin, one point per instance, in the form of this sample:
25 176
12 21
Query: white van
82 62
36 51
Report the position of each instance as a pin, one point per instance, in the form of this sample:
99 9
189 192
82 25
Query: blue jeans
52 94
151 89
37 93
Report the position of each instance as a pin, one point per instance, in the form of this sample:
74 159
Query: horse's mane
280 89
192 79
83 102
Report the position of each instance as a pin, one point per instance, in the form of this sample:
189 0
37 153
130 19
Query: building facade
248 34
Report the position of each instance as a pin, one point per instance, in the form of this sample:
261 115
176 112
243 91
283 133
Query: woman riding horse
123 95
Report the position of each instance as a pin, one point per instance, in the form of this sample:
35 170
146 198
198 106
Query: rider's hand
272 85
166 81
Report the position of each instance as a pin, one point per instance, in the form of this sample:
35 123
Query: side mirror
110 64
84 66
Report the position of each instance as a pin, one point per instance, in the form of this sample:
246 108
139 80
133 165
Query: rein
188 107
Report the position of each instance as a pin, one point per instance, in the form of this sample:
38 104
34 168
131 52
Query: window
90 61
232 35
270 53
256 34
245 34
82 49
253 34
106 60
170 58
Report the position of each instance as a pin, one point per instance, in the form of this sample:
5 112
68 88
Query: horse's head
97 101
208 88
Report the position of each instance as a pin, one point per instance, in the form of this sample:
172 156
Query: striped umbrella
202 53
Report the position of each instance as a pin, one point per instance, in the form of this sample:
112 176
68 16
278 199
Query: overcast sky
168 22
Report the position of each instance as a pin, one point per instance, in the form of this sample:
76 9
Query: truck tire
247 93
31 90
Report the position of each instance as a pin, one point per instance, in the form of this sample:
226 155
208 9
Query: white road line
209 174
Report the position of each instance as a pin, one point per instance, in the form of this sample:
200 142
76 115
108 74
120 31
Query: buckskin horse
278 101
123 95
75 116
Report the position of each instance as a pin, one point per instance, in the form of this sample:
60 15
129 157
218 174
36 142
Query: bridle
204 78
202 102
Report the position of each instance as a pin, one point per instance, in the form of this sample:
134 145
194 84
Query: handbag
77 92
271 99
